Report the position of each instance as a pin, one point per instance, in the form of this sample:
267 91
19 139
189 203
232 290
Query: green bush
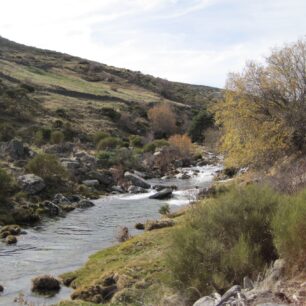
57 137
99 136
289 225
164 209
5 184
7 132
42 136
136 141
109 143
106 158
120 156
152 146
224 239
48 167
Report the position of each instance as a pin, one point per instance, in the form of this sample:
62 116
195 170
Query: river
63 244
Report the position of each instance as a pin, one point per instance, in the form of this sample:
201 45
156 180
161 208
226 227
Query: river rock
105 177
205 301
13 229
163 194
136 189
157 224
91 183
161 187
10 239
183 176
60 199
31 183
45 283
118 189
50 208
140 226
85 204
137 180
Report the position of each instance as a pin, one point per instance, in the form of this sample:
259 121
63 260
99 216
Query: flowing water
64 244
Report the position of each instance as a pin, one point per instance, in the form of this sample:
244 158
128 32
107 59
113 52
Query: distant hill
39 87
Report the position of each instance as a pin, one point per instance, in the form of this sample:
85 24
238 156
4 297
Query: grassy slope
140 263
83 87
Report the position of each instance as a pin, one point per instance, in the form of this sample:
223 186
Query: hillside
42 86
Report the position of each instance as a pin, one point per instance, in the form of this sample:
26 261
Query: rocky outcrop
45 283
31 183
137 180
265 293
50 208
163 194
15 150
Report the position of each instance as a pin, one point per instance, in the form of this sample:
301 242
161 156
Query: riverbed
63 244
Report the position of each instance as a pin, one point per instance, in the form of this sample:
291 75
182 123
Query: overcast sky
194 41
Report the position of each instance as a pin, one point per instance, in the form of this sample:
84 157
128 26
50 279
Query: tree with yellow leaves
263 112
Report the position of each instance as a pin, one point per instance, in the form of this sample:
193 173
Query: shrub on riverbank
48 167
224 239
290 230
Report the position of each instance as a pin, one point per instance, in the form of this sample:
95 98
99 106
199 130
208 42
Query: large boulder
71 165
31 183
163 194
86 159
136 189
105 177
14 149
137 180
45 283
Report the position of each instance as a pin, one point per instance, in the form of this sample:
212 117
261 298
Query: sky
192 41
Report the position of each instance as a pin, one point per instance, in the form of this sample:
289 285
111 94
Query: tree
263 113
182 145
163 120
200 122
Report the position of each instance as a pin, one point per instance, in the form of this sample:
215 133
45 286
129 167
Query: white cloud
196 41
